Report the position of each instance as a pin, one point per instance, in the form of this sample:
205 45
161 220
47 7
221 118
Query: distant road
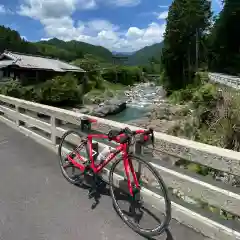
231 81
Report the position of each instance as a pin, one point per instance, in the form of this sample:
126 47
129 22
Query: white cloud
55 16
45 39
99 24
131 40
2 9
163 6
124 3
24 38
163 15
39 9
134 33
112 38
88 4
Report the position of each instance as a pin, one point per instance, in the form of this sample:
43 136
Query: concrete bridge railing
47 124
230 81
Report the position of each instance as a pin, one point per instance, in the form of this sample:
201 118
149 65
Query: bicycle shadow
103 190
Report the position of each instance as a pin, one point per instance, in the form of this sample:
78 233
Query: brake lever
128 131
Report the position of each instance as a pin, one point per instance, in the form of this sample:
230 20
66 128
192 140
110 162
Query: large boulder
110 107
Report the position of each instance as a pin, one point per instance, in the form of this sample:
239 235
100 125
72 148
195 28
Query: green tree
60 91
187 22
68 51
126 75
11 40
224 40
79 49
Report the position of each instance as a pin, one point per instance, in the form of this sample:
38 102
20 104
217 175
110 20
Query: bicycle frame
122 148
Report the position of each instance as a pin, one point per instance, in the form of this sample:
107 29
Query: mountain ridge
142 56
71 50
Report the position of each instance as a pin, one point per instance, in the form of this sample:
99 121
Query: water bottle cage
144 139
85 124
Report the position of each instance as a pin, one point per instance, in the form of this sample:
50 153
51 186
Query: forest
209 43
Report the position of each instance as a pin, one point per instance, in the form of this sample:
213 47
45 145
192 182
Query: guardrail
224 79
47 124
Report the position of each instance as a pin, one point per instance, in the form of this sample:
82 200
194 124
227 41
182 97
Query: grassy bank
109 90
214 117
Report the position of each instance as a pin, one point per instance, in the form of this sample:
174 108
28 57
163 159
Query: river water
140 99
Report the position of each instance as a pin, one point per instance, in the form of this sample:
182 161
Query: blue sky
120 25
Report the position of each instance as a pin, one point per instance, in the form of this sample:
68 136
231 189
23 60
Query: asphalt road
37 203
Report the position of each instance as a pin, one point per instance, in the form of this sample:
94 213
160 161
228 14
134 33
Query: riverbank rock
110 107
145 94
85 109
164 118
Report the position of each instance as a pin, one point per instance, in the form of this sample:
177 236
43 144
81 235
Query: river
141 99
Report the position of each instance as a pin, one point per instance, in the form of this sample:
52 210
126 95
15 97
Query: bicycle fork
129 166
136 201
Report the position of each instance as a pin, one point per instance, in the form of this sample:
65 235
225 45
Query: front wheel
153 193
72 145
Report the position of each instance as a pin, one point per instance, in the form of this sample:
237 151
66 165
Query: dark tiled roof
37 62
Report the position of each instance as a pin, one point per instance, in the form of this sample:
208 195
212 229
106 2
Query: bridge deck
36 202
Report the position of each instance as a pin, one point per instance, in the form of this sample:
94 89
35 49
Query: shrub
201 78
15 89
206 95
198 169
99 83
30 93
12 89
123 74
61 91
182 95
224 128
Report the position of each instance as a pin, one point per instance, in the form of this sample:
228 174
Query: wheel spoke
67 165
71 149
139 215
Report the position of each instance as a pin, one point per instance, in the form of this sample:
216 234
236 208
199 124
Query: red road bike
87 166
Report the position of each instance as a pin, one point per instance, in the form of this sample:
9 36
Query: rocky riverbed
162 117
131 104
145 95
142 105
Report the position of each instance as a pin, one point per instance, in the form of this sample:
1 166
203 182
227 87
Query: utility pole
197 49
118 60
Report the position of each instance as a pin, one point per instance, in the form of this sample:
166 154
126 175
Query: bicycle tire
67 133
164 224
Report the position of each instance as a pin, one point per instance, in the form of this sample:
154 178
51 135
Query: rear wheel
72 144
153 193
